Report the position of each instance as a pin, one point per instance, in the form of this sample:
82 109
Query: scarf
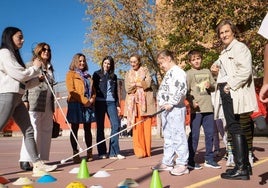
84 75
139 97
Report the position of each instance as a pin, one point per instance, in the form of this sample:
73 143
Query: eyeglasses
45 49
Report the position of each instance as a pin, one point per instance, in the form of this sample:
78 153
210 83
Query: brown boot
76 159
89 155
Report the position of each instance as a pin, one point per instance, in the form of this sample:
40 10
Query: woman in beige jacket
237 96
139 103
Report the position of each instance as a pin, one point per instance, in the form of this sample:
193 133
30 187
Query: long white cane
64 160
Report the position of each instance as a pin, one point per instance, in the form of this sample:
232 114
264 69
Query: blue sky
60 23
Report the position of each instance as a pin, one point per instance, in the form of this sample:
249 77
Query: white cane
65 118
135 124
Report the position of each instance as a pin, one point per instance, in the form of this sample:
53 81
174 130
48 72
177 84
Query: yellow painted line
202 183
211 180
109 169
132 168
30 173
261 161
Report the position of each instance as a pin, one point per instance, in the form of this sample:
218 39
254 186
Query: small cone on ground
46 179
128 182
83 170
75 170
3 180
23 181
27 186
75 184
101 174
156 181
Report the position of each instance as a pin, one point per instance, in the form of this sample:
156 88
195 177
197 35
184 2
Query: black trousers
232 120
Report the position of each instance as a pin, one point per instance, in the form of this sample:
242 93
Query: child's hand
167 107
207 85
195 104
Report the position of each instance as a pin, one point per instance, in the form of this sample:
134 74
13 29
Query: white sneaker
118 156
41 166
162 167
179 170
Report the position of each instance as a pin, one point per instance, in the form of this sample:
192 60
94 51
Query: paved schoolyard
131 167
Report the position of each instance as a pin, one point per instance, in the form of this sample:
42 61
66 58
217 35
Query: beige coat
147 87
235 64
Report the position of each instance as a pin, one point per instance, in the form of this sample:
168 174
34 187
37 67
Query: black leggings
87 134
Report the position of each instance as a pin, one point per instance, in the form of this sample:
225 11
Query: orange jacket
76 88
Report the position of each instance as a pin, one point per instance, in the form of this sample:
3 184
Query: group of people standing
234 94
94 97
91 97
26 96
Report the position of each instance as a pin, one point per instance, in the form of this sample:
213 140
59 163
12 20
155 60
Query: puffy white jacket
13 77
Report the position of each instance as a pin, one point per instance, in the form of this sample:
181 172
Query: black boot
76 158
230 170
24 165
89 155
240 172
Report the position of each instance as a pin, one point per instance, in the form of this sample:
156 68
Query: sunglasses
45 49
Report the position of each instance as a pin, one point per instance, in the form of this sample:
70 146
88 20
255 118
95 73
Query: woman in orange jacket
81 98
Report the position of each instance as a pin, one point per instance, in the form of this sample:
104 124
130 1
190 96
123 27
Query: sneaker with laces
196 166
41 166
118 156
162 167
179 170
212 164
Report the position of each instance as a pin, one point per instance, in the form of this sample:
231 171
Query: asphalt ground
138 170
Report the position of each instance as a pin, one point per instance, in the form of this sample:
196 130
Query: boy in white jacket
170 97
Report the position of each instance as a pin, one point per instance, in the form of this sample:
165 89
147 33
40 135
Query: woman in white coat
237 95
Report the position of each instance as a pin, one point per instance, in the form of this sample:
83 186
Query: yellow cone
156 181
27 186
75 184
83 170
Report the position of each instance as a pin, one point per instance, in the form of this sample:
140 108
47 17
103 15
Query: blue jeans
101 108
207 121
